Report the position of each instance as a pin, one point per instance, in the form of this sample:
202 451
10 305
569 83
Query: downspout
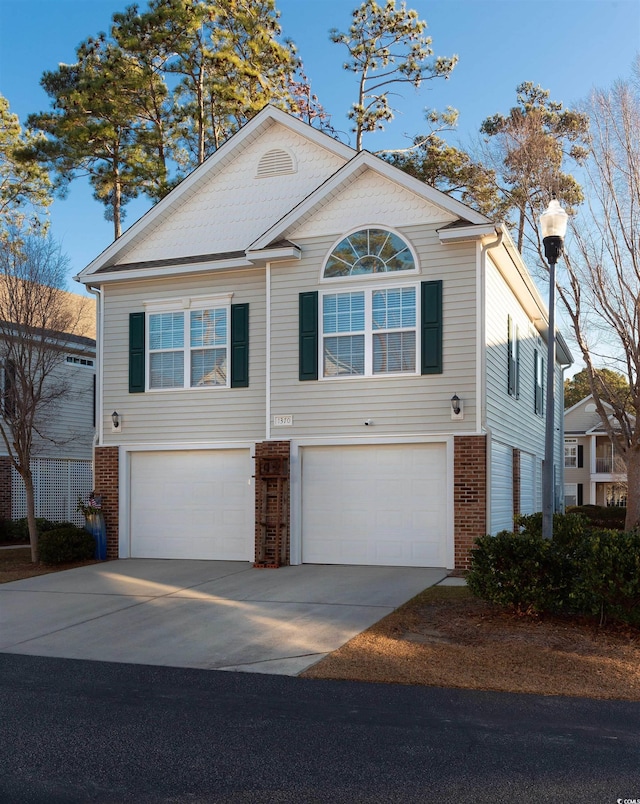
481 392
98 435
267 344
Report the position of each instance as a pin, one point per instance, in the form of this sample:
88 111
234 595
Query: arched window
369 251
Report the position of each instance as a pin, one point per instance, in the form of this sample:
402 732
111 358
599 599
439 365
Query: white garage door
195 504
383 505
501 488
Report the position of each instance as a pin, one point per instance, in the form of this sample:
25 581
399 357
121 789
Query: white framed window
369 332
80 361
369 251
571 453
188 347
570 494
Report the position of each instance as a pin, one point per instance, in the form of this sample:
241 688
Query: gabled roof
163 209
344 176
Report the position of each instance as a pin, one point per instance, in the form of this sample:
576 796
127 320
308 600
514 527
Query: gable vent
276 162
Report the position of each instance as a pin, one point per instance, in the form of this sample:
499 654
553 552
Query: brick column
272 504
516 483
5 487
106 482
469 495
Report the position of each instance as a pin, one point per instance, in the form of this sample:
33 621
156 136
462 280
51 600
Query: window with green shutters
371 331
201 347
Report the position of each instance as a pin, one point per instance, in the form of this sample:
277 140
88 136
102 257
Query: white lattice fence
58 482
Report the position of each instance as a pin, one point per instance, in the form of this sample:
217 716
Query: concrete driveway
221 615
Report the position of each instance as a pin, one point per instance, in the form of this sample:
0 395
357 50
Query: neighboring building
62 461
321 311
595 473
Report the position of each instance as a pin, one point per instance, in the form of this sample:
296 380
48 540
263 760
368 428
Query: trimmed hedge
599 516
18 530
581 570
66 543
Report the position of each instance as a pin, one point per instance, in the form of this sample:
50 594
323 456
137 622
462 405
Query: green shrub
607 578
518 570
568 529
600 516
66 543
581 570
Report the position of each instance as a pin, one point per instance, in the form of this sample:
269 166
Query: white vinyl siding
501 487
69 425
527 484
183 415
395 403
513 420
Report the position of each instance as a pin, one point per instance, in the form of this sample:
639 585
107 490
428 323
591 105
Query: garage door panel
382 504
195 504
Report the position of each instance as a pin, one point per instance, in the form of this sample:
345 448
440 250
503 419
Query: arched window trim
367 277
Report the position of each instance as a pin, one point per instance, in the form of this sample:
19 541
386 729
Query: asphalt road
78 731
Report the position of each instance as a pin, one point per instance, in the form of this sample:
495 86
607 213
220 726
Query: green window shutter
431 362
580 460
239 345
308 344
136 353
580 494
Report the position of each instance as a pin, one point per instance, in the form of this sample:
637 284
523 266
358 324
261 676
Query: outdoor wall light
115 420
457 407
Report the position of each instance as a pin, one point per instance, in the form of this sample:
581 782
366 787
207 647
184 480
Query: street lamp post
553 223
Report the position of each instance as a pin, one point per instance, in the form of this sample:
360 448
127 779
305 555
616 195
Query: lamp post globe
553 223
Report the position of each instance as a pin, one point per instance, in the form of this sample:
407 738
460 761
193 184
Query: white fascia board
95 280
262 256
267 116
514 271
461 233
360 162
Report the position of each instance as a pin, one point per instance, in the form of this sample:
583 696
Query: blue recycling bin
95 525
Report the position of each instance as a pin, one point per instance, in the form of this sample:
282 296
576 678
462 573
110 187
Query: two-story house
595 473
307 355
62 453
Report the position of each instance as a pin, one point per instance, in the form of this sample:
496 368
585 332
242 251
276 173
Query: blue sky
567 46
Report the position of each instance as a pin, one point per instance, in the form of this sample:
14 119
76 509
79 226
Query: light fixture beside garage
115 422
457 407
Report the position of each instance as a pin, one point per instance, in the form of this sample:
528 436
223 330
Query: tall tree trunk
27 477
633 488
117 208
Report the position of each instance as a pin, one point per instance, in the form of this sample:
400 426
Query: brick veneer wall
106 482
271 494
5 487
469 495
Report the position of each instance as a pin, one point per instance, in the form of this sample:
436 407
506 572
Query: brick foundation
272 504
5 487
106 482
469 495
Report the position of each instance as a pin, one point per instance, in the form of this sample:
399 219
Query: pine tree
387 47
25 188
528 149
